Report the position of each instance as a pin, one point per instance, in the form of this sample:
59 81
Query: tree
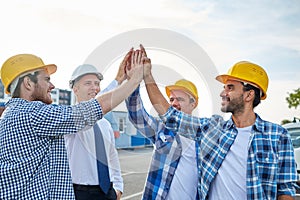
285 121
294 99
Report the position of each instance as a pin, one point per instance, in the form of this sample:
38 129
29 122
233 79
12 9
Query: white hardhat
83 70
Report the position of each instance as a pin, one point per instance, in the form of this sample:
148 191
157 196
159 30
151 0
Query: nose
175 102
223 93
96 87
51 86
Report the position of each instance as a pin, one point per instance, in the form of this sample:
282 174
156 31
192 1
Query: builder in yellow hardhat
244 157
33 159
185 88
173 169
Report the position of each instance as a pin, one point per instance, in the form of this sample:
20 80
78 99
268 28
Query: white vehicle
294 131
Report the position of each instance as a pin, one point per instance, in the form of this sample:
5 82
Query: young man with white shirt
81 148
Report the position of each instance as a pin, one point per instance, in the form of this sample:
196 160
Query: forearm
158 101
139 117
111 99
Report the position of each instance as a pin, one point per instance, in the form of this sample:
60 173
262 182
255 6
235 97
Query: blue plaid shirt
167 151
271 167
33 159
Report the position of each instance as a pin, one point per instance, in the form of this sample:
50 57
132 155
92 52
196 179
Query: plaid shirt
271 167
33 159
167 148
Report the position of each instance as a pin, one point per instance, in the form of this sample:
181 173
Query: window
122 125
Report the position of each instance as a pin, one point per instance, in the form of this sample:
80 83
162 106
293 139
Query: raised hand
135 69
121 75
146 62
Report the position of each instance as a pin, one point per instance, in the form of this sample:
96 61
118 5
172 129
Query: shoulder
103 122
267 126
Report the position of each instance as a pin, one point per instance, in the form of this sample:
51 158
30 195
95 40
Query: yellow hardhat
250 73
19 64
184 85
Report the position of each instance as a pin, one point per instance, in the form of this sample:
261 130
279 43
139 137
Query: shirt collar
16 101
258 124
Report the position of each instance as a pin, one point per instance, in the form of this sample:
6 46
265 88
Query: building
126 135
3 97
61 96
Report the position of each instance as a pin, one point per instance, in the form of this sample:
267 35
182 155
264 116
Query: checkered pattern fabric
33 159
271 168
167 151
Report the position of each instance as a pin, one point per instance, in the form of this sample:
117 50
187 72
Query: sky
66 33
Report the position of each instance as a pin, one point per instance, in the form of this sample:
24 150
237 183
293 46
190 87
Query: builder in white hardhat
34 163
85 84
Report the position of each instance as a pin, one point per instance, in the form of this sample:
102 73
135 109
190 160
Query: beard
235 105
40 94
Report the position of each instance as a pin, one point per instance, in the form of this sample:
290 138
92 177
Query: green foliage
285 121
294 99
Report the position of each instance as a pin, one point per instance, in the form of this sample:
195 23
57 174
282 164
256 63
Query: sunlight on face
182 101
87 87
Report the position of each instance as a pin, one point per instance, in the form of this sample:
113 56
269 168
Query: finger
132 58
140 57
136 56
127 56
146 60
143 49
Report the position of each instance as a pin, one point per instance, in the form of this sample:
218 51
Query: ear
75 89
27 83
193 105
250 95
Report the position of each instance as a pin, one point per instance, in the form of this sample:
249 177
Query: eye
180 99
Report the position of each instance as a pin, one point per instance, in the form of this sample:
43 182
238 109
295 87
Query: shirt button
267 159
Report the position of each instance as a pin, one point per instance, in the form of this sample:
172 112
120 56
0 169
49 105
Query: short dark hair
33 78
248 87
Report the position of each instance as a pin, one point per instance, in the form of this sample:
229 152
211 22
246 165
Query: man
85 83
173 169
244 157
33 159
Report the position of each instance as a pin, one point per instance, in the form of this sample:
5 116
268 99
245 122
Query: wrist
148 79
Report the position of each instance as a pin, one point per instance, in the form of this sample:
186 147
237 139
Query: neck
244 119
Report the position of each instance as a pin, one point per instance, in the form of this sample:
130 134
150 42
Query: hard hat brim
224 78
50 68
176 87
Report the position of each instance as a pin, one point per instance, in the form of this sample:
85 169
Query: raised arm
121 75
111 99
158 101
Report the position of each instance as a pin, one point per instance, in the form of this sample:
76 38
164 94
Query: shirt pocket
267 163
163 143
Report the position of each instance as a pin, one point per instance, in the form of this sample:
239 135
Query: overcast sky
63 32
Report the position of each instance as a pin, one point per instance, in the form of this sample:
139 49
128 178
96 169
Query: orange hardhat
250 73
184 85
16 65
